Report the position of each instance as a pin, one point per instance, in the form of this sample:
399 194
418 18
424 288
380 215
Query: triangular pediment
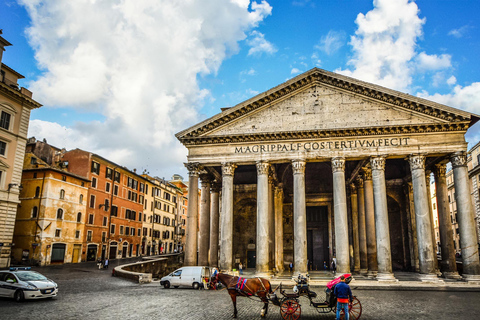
319 103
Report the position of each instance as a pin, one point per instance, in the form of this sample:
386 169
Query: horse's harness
241 284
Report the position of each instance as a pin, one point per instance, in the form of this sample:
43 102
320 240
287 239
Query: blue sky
120 78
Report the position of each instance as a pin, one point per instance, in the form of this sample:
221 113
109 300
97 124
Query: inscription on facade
323 145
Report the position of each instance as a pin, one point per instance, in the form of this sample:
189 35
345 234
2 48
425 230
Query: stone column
370 224
448 265
204 229
262 245
299 217
432 223
279 228
466 218
362 233
356 240
271 223
192 215
382 227
226 218
422 218
341 217
214 223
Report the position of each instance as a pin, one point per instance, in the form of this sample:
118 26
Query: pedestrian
344 295
334 265
99 263
105 266
325 265
308 264
240 268
291 266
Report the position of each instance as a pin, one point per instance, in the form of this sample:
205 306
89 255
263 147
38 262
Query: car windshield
30 276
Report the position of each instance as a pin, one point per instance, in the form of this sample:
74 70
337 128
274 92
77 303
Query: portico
321 154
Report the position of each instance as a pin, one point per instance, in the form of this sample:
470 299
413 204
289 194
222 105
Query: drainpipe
38 215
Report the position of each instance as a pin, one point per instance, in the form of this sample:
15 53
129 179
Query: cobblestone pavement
89 293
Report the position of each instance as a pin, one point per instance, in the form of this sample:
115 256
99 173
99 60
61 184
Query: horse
245 288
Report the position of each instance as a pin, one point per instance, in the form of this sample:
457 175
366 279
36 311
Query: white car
21 284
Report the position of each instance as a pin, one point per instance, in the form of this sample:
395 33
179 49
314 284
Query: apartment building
16 104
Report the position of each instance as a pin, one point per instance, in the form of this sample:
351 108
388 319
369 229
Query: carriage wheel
290 310
354 310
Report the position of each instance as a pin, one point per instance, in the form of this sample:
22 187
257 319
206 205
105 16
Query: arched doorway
125 249
58 253
113 250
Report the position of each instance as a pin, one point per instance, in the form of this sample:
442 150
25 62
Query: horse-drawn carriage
289 302
290 307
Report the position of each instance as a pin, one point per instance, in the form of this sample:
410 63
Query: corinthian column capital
338 164
417 161
193 168
359 182
262 167
378 163
353 188
298 166
441 169
228 168
459 159
367 173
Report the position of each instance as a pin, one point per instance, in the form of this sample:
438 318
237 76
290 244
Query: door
251 259
176 279
317 237
76 253
124 250
91 252
113 252
58 253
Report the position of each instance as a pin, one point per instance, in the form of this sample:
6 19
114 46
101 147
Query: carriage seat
290 295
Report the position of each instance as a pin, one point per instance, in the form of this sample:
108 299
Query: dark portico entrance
317 237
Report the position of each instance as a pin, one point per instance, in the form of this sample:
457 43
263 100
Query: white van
187 277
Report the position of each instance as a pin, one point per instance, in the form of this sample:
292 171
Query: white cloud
384 44
137 63
452 80
259 44
295 71
465 98
330 43
460 32
433 62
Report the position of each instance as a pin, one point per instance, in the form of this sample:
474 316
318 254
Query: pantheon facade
327 167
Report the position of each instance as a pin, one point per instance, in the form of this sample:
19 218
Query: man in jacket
344 294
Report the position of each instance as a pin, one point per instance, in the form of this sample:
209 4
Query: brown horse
253 287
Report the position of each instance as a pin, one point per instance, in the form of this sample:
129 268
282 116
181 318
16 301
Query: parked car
187 277
22 283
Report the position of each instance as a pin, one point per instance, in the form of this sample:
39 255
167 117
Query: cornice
18 97
319 76
330 133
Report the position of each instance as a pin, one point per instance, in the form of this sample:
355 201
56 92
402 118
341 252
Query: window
62 194
90 219
121 229
5 120
95 167
79 217
81 199
92 201
60 214
107 187
140 216
34 212
117 177
127 230
132 231
3 148
34 175
139 231
109 173
105 220
37 192
114 211
89 235
144 231
112 229
64 178
77 234
106 205
58 232
104 236
115 190
94 182
142 187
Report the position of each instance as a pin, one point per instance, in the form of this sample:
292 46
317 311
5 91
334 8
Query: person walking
240 268
344 295
291 266
106 264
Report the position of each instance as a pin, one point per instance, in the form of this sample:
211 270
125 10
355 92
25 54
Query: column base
363 272
386 277
371 274
452 275
472 278
430 277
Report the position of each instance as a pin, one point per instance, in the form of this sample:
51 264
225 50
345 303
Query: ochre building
327 167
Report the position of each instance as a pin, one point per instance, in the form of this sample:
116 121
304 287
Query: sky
120 77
